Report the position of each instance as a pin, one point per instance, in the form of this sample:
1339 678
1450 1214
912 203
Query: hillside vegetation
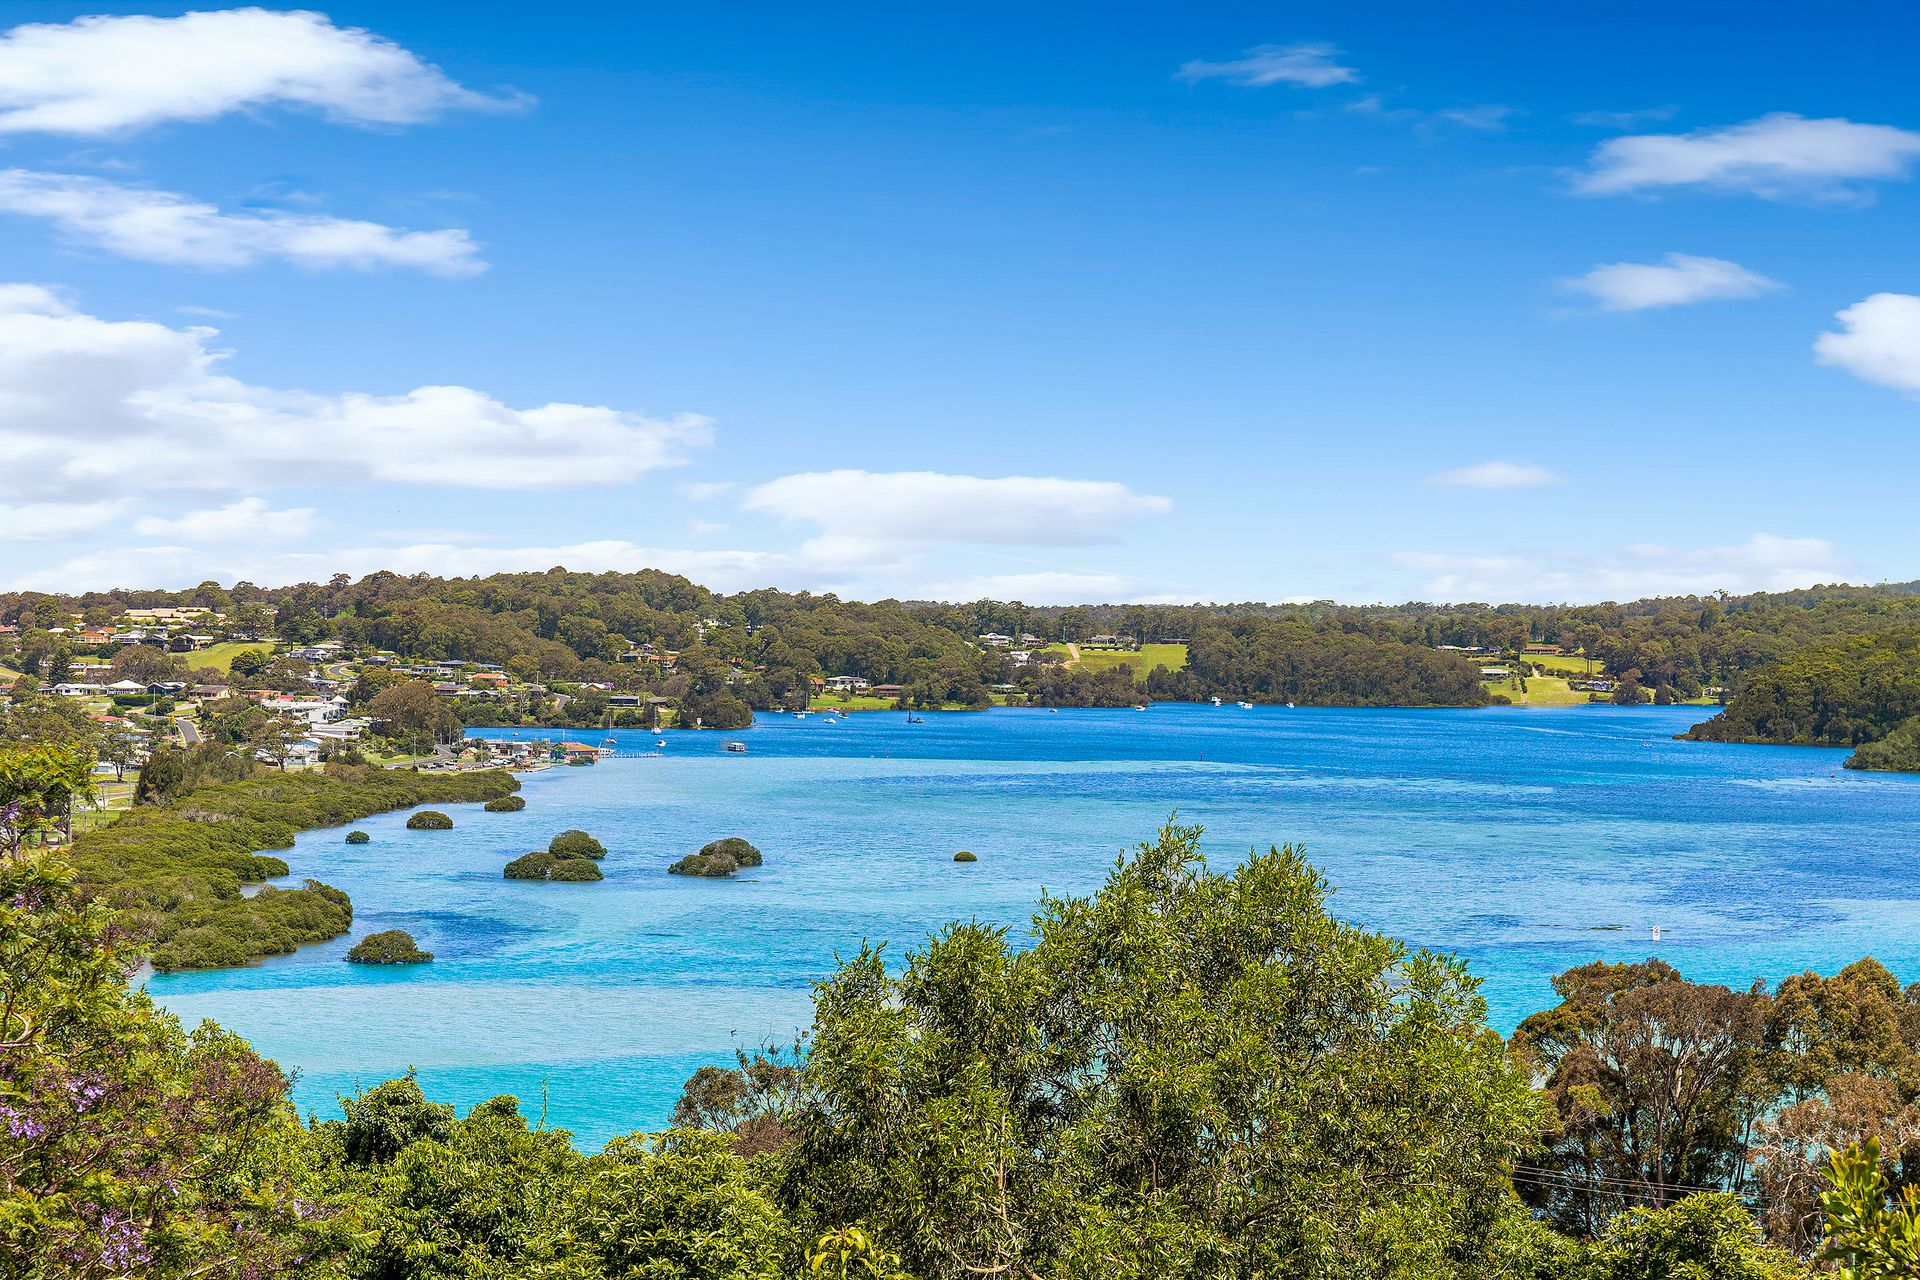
1838 694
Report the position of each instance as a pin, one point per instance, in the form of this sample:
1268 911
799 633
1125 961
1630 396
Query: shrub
965 856
543 864
718 858
506 804
390 946
576 844
429 820
358 837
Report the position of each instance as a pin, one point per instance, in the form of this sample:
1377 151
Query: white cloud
1880 341
165 227
926 506
247 520
51 521
1307 64
91 406
1489 117
1678 279
1765 562
1497 474
1777 156
703 490
1623 119
101 75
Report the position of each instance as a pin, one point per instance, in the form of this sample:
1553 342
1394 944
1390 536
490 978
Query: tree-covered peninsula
175 870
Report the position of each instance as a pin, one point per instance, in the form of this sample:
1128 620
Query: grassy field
221 656
1542 691
1144 659
1564 663
849 702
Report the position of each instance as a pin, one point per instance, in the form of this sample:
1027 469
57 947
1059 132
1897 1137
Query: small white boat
1289 706
738 748
831 720
1139 708
1216 701
1246 706
659 742
800 715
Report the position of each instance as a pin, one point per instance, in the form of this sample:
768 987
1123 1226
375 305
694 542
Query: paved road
189 732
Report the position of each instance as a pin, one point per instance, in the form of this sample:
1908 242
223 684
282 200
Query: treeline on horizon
1842 688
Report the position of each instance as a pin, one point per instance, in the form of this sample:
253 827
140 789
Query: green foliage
361 837
718 858
1841 694
389 946
851 1254
129 1147
576 844
1701 1237
543 864
505 804
39 784
429 820
966 855
176 869
1898 752
1872 1233
388 1118
1191 1073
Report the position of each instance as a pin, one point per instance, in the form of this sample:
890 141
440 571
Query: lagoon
1525 840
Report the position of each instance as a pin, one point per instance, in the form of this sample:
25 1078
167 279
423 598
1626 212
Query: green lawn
1143 660
221 656
1565 662
851 702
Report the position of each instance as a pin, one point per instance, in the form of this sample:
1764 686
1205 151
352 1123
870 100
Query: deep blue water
1508 835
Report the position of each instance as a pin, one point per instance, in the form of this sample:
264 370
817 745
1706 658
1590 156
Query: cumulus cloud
1879 341
1765 562
92 406
1779 156
1497 474
247 520
1307 64
1676 280
926 506
50 521
169 228
102 75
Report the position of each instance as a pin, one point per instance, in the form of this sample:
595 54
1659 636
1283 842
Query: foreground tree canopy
1190 1073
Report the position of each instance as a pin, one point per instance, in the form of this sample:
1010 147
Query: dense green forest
1192 1073
1838 694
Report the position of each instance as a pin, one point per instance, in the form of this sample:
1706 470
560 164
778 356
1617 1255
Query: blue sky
1095 303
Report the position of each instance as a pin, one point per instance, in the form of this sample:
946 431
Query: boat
831 720
914 719
659 742
1289 706
738 748
1248 706
1215 700
1139 708
801 715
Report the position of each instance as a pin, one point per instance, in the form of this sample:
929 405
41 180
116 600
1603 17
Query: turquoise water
1508 835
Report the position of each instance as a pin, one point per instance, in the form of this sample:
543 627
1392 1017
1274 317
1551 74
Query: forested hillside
1838 694
758 649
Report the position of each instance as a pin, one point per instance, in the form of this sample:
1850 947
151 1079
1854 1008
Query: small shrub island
966 855
542 864
391 946
358 837
576 844
429 820
571 855
720 858
506 804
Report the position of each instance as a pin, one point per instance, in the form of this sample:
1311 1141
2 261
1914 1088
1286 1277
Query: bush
576 844
506 804
358 837
429 820
543 864
718 858
965 856
391 946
